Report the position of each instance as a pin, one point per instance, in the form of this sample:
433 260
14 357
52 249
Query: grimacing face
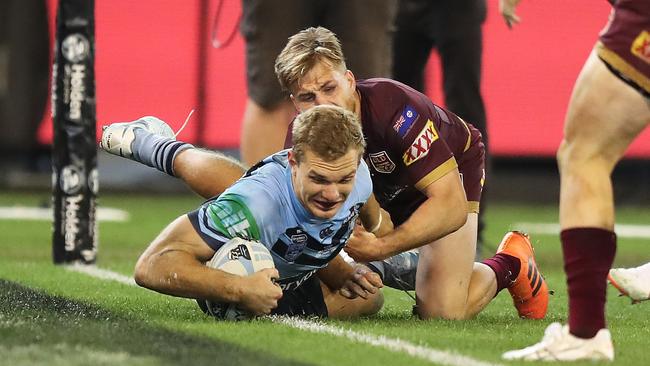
325 84
322 186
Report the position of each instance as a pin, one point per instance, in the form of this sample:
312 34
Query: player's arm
173 264
374 218
351 281
444 212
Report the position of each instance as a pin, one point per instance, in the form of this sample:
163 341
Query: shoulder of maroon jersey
384 99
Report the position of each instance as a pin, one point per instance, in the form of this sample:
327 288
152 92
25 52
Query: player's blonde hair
303 51
328 131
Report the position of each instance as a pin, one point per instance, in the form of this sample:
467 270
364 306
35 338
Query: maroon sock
588 256
505 267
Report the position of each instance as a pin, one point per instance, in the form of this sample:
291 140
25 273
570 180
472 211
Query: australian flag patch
405 121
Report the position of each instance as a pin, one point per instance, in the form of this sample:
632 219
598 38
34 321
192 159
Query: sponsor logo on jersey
326 232
381 162
421 145
641 46
405 121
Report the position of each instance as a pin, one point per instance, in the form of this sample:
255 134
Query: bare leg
207 173
339 306
449 284
264 130
605 115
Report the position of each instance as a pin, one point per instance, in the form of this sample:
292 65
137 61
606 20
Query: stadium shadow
37 323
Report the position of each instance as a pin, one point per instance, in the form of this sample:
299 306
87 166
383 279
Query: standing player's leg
605 115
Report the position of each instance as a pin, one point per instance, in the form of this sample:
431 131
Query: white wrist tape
374 229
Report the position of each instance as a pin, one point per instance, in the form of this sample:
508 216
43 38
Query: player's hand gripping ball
240 257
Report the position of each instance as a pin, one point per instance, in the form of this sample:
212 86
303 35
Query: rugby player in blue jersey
302 204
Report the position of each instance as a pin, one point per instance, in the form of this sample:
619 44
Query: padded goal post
74 149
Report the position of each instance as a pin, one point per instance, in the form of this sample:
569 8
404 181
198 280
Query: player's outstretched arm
444 212
173 264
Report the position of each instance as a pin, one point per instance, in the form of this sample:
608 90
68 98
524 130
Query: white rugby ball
240 257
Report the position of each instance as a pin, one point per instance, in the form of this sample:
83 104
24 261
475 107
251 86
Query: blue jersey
262 206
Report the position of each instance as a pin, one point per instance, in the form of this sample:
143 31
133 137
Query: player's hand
507 9
364 246
362 282
260 293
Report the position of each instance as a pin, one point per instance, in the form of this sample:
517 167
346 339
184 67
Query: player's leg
604 116
151 141
444 274
207 173
339 306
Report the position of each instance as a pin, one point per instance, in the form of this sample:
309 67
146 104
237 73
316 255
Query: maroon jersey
624 44
411 143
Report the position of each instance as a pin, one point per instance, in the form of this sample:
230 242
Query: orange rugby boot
529 290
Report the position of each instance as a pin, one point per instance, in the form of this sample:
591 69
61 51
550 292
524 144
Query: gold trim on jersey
437 173
469 135
615 61
473 206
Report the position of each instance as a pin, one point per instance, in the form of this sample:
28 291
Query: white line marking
622 230
395 345
40 213
103 274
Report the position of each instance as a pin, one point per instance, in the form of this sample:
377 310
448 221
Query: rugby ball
240 257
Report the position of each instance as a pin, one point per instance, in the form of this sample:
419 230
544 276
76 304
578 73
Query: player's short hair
303 51
328 131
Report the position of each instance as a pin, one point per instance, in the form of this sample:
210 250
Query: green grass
51 316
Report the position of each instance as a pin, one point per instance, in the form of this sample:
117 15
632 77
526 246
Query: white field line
40 213
103 274
396 345
622 230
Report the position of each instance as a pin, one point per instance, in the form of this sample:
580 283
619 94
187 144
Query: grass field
52 316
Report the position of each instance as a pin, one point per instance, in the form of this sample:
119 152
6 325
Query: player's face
322 186
326 84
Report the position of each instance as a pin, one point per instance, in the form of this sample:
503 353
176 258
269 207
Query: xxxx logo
641 46
421 145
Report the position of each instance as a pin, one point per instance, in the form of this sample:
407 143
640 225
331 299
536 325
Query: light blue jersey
262 206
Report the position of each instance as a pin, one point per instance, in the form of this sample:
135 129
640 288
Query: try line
441 357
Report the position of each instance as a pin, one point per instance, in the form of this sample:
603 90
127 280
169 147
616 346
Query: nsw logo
298 243
421 145
405 121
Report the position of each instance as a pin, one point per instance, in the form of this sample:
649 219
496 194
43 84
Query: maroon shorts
625 43
471 166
